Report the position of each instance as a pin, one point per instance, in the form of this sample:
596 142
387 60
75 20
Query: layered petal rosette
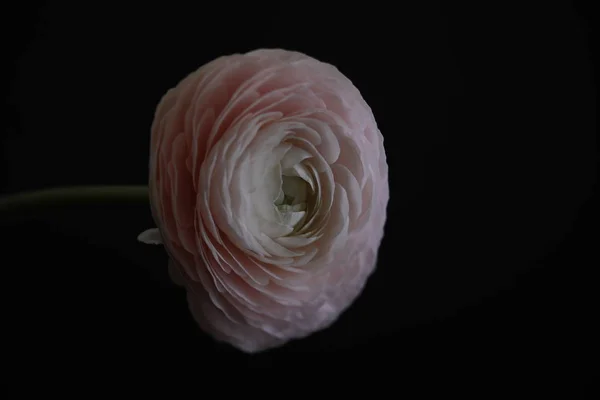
268 185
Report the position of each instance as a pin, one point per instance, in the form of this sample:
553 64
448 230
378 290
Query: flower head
268 184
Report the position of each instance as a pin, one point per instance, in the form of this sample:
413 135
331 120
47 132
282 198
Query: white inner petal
295 183
292 208
282 189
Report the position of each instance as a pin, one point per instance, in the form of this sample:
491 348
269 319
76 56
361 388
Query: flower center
292 203
284 192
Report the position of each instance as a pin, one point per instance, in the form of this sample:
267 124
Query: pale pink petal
268 185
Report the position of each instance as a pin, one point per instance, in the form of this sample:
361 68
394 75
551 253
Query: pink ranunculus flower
268 184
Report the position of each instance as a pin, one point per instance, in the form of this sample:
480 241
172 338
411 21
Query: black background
488 114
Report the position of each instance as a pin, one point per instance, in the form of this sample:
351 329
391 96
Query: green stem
76 195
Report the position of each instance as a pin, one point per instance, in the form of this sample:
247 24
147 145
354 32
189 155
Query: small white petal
150 236
294 156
